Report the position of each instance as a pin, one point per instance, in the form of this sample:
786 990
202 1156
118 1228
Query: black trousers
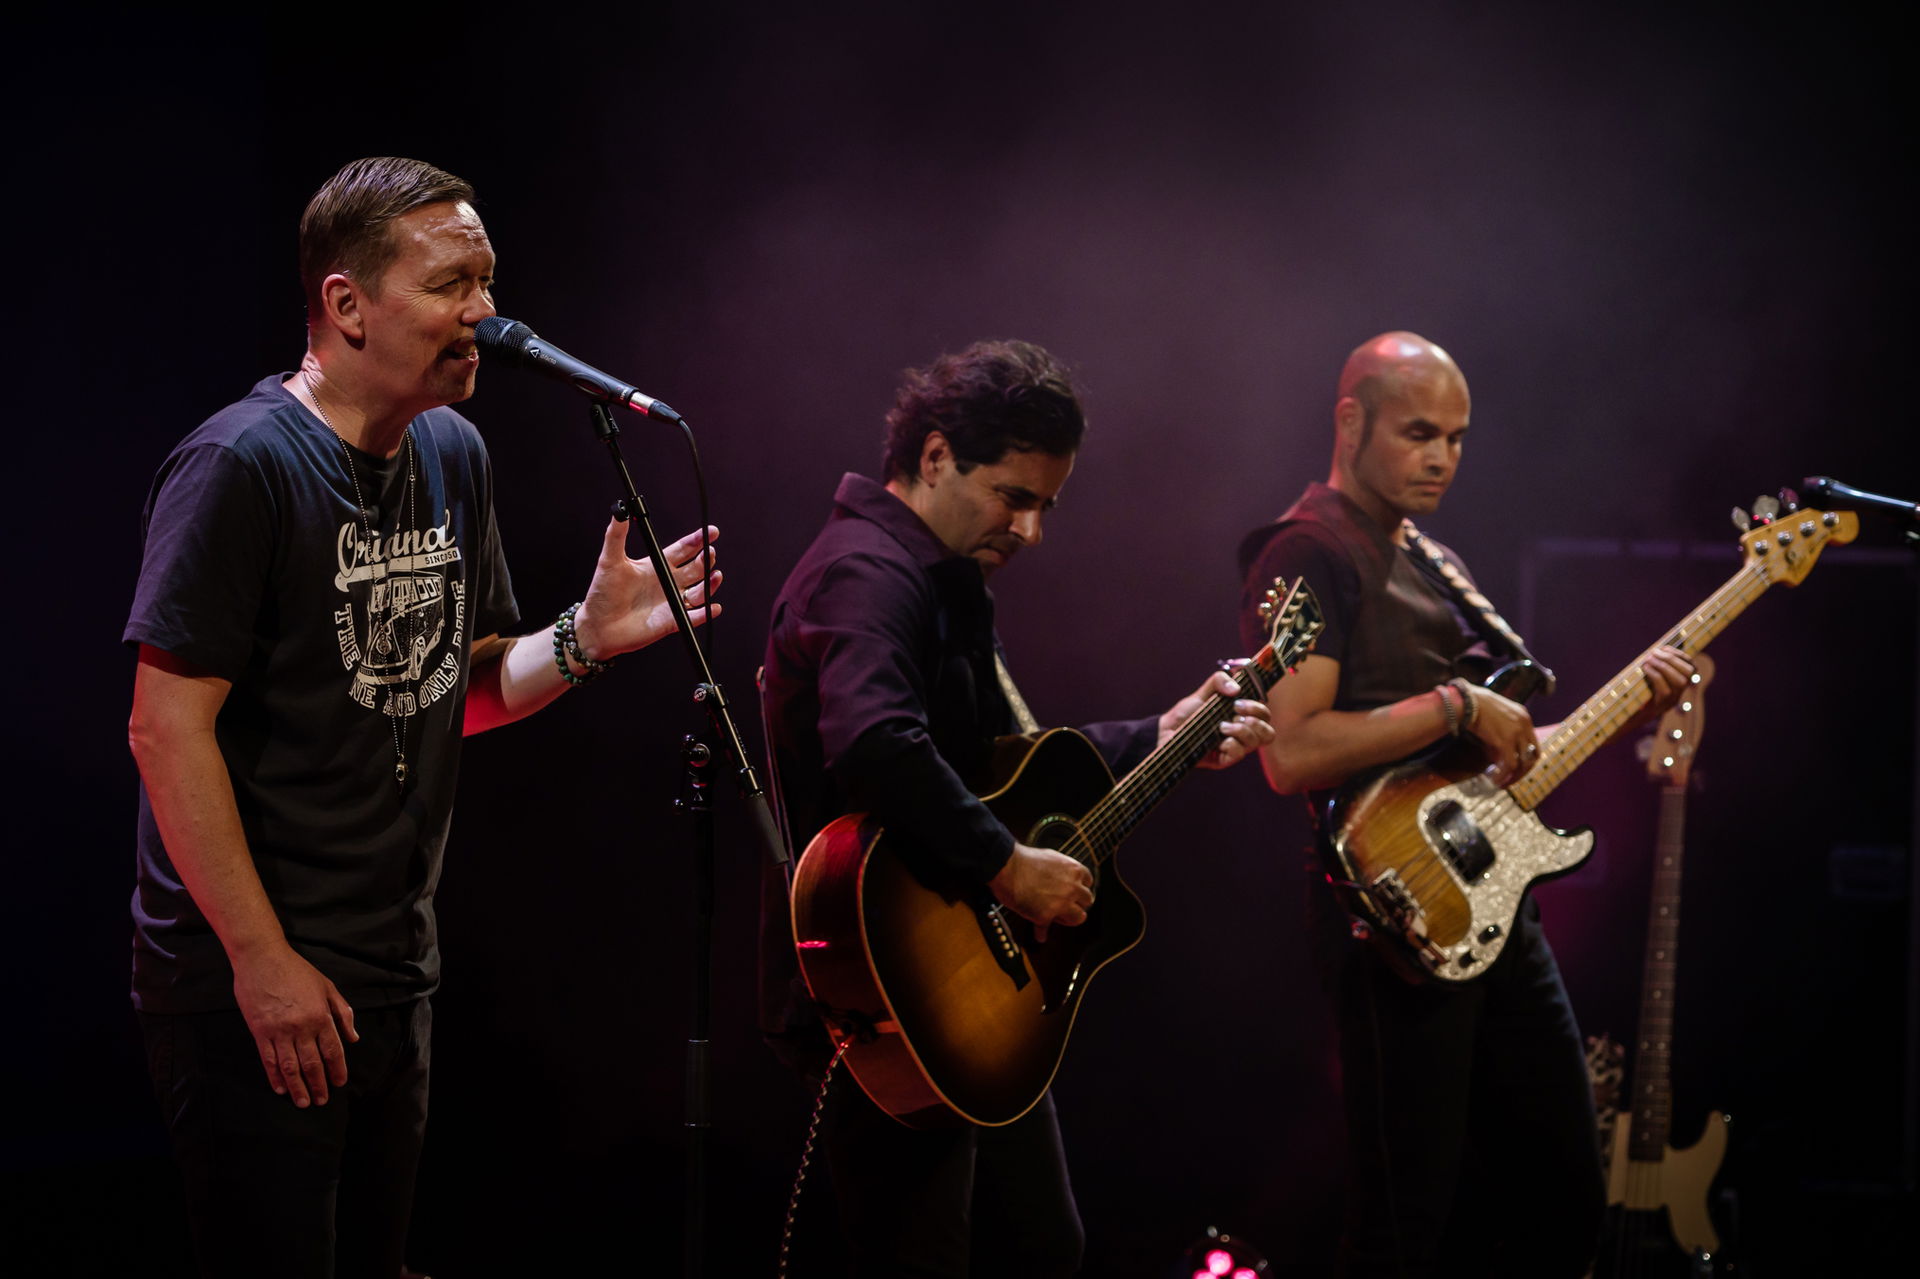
951 1203
276 1191
1470 1126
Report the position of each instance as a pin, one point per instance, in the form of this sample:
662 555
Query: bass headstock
1677 740
1291 615
1784 543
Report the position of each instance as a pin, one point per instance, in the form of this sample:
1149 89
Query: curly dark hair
345 225
988 400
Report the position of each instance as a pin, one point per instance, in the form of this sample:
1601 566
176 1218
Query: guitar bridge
1398 908
1395 904
1003 944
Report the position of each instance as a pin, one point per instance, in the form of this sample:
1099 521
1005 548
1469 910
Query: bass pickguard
1443 860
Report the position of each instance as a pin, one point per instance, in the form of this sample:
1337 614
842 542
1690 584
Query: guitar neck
1601 717
1109 823
1653 1055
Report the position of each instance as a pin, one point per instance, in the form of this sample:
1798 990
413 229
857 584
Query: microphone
514 343
1831 492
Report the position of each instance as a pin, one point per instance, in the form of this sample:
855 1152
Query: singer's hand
625 607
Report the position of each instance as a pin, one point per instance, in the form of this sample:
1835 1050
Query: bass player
1470 1129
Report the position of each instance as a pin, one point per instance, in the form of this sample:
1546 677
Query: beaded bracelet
1442 691
565 643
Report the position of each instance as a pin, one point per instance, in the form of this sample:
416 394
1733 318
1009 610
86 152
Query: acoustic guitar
949 1008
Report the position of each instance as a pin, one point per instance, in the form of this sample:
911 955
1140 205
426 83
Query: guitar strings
1099 833
1591 725
1559 755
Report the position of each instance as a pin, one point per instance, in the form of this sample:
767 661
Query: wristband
1469 706
566 644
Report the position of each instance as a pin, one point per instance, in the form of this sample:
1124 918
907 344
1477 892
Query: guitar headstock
1292 618
1784 543
1677 740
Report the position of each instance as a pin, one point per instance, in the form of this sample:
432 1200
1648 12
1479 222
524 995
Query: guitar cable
806 1156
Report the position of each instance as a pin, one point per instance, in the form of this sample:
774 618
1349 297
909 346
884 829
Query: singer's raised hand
626 608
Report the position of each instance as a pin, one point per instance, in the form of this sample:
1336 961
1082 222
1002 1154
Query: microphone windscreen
497 335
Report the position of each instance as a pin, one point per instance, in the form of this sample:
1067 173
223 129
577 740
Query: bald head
1398 426
1393 365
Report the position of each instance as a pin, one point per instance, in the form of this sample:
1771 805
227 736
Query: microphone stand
693 799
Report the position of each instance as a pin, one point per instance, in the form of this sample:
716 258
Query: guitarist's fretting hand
1668 673
1044 888
1507 731
1250 728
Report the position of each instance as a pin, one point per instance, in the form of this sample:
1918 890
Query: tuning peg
1740 520
1765 508
1789 501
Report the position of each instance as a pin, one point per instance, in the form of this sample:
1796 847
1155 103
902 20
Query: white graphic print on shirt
397 614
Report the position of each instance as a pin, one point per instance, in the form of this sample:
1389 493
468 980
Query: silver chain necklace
366 532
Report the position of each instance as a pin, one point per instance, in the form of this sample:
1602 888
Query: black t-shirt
1395 629
256 569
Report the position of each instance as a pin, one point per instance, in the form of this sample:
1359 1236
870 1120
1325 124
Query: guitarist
885 688
1469 1117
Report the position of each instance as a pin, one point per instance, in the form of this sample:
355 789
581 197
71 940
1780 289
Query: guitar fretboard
1601 717
1107 825
1653 1051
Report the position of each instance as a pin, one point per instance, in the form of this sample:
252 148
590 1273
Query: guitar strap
1021 714
1479 609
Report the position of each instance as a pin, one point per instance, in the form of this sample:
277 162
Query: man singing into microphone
319 620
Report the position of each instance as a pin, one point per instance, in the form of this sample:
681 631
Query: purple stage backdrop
1663 242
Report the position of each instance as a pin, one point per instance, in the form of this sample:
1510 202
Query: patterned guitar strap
1021 715
1479 609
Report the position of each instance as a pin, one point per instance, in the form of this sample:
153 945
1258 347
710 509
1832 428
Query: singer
319 621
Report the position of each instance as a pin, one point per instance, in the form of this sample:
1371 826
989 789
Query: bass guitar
946 1005
1657 1194
1438 859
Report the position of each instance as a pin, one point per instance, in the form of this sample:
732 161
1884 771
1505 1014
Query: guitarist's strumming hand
1505 730
1250 728
1044 888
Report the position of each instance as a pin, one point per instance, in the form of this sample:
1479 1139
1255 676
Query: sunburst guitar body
1438 859
947 1006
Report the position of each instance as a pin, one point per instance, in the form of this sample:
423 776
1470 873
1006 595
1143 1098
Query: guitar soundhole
1453 830
1059 832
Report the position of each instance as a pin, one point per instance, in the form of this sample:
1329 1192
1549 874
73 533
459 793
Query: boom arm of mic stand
707 691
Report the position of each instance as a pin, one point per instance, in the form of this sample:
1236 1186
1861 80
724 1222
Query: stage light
1219 1256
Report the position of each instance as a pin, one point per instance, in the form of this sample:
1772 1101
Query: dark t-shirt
256 570
1395 629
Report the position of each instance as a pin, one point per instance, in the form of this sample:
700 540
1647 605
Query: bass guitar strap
1479 609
